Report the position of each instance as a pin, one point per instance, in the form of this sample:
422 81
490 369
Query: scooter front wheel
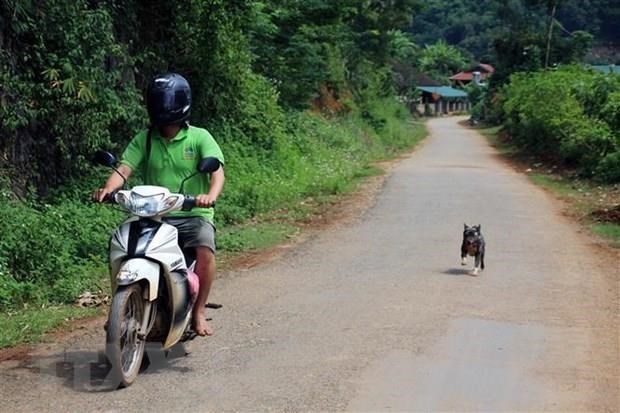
124 347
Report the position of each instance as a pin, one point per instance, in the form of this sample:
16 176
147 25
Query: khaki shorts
194 232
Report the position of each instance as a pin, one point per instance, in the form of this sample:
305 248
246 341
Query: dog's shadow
457 271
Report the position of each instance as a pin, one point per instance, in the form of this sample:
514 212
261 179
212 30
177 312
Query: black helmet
168 99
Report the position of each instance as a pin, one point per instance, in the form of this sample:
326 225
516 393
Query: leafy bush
51 252
608 169
569 114
610 112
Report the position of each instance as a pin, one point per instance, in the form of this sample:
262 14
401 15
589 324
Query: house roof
487 67
445 91
485 71
468 76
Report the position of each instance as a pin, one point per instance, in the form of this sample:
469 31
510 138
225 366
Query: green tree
66 88
441 59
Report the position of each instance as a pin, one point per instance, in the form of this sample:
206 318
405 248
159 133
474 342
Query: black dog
473 244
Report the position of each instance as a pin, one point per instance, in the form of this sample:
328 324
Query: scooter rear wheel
124 348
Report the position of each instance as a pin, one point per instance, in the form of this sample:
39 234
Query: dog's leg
463 254
477 264
482 261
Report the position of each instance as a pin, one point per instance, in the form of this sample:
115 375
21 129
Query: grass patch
367 171
493 135
588 200
255 236
555 184
490 131
29 324
609 231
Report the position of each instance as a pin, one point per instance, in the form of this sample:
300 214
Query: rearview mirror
208 165
104 158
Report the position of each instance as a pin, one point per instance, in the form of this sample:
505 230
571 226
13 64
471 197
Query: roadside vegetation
569 115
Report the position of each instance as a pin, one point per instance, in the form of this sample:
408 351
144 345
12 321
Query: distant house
479 74
437 100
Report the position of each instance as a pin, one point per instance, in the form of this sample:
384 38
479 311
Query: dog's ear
464 226
478 227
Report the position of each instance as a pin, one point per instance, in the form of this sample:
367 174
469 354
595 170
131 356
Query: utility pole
550 31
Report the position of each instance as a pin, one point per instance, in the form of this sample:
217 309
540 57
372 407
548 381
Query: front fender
137 269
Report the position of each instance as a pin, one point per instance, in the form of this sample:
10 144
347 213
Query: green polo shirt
171 162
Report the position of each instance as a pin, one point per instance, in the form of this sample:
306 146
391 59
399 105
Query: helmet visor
168 105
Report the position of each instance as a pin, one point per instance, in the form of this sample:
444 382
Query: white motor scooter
153 287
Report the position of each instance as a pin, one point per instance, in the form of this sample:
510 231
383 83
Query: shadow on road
457 271
90 371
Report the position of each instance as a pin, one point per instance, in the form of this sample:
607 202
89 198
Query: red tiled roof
485 71
487 67
462 76
469 76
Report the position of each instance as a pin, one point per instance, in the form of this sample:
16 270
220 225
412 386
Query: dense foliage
474 26
72 74
569 115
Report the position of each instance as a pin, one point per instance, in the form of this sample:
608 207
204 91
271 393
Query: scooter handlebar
110 198
190 202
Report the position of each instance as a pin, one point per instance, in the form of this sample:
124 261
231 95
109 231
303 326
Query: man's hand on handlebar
205 200
101 194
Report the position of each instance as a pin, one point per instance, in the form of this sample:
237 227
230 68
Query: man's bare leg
205 269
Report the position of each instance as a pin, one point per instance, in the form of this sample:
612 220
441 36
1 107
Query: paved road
378 314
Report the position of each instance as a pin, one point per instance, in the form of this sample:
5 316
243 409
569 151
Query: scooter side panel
180 305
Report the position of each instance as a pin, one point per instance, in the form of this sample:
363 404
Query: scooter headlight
143 206
139 205
146 206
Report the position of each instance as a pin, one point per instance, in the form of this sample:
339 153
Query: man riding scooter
166 153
